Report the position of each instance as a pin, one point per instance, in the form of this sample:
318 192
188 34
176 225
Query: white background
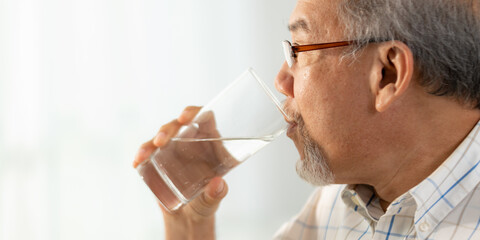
83 83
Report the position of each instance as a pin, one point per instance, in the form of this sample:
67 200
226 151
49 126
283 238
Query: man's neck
425 145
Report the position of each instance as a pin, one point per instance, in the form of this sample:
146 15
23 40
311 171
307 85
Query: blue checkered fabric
446 205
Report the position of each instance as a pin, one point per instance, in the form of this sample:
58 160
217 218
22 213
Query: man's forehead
313 16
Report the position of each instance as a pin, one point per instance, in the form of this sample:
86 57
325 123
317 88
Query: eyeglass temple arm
311 47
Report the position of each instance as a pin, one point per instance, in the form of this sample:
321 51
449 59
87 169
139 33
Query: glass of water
238 122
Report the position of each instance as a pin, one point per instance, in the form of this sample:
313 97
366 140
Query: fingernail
220 188
160 138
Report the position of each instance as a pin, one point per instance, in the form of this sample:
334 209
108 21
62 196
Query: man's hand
196 220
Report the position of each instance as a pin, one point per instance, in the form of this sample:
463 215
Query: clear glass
241 120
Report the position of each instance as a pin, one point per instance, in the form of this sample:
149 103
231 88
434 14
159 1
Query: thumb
207 203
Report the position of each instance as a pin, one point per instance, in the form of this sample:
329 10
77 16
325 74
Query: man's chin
313 166
315 176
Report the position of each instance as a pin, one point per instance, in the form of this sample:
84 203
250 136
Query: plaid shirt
446 205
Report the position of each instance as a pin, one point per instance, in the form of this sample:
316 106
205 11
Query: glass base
160 188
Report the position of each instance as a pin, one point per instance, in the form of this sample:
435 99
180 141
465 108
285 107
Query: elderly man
385 96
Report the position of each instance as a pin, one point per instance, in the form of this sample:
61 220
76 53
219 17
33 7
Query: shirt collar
362 199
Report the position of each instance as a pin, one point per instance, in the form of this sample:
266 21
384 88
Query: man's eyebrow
300 24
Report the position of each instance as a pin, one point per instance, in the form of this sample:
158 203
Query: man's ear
394 71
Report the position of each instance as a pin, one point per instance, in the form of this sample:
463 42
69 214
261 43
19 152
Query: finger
216 189
166 132
206 123
191 131
206 204
188 114
143 153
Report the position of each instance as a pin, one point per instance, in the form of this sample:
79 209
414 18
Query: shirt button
423 227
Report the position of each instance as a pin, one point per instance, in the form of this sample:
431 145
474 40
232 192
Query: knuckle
204 206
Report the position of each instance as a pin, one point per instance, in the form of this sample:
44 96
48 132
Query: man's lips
289 117
292 128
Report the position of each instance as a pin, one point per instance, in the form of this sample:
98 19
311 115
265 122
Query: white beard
314 168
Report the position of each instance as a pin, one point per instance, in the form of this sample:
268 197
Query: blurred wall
84 83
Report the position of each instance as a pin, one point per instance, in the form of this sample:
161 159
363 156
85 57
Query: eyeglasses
291 51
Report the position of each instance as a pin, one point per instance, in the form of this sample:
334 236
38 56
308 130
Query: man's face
328 97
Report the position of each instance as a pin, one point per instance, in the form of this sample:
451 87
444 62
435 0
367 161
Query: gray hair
443 35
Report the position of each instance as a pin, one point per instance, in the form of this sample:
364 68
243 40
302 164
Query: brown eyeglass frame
310 47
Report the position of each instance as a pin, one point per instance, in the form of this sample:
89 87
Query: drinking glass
234 125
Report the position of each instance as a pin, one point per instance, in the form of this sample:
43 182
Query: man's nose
284 81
